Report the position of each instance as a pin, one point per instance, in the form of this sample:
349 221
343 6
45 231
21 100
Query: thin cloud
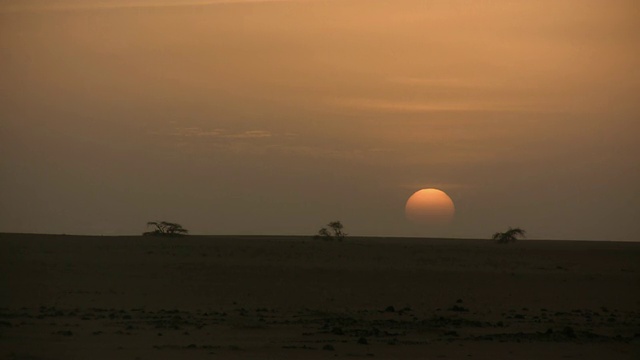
198 140
253 134
435 185
88 5
439 82
196 132
364 104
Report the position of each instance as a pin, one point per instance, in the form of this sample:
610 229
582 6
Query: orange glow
430 206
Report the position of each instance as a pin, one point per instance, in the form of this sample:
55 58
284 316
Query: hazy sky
275 117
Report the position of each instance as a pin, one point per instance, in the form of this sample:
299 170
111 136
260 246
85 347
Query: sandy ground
72 297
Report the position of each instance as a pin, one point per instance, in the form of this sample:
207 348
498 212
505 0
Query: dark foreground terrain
68 297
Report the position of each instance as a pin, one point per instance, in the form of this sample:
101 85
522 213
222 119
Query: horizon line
311 236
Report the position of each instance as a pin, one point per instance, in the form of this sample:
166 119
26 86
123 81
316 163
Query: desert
319 179
287 297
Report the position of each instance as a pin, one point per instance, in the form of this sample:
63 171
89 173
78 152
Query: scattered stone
458 308
569 332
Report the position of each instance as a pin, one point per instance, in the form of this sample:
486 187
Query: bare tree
508 236
333 231
165 228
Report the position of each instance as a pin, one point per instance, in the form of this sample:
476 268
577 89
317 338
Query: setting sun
430 206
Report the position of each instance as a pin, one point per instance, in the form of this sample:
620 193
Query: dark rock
458 308
328 347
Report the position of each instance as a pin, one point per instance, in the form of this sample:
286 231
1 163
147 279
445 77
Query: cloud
196 132
64 5
367 104
252 134
194 140
437 185
439 82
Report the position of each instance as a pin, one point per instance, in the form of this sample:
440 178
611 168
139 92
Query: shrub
511 235
333 231
165 228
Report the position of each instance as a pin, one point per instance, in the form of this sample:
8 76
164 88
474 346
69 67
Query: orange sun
431 207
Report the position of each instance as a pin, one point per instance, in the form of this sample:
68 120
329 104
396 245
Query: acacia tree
511 235
165 228
333 231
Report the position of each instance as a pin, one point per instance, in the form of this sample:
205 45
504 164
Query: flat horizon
307 236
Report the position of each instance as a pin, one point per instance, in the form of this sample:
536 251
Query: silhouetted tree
508 236
333 231
165 228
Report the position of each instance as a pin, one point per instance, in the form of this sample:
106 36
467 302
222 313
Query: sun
431 207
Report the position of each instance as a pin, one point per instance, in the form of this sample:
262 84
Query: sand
197 297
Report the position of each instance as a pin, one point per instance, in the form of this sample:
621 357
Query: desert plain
278 297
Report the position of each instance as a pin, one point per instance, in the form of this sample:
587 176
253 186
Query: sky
276 117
